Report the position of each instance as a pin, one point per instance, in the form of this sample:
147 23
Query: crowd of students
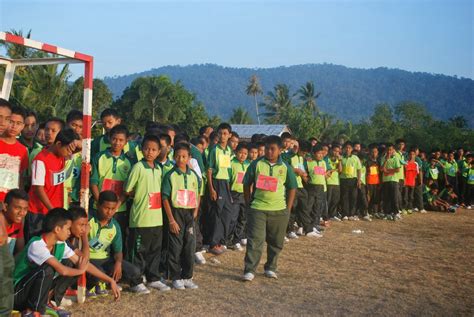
159 202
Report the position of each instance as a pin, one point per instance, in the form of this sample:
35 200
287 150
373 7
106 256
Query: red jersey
411 172
13 162
373 173
47 170
14 232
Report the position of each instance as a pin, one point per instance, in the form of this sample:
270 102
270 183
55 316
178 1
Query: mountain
347 93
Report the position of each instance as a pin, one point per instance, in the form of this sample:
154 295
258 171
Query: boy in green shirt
400 153
274 187
451 171
469 174
146 219
180 189
390 166
350 182
165 149
72 184
334 190
239 165
253 152
218 175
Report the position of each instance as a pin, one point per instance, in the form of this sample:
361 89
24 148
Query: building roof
246 131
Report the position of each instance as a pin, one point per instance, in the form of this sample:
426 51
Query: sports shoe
423 211
314 234
159 286
30 313
243 242
238 247
190 284
53 310
178 284
336 218
345 218
286 240
270 274
292 235
351 218
248 277
388 217
91 292
397 217
367 218
356 218
140 289
101 289
199 258
404 212
469 207
416 209
216 250
300 231
65 302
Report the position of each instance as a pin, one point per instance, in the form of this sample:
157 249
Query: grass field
420 266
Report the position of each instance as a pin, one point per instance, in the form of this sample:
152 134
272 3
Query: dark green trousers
264 226
6 280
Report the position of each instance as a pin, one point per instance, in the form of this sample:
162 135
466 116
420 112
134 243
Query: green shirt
197 155
101 239
271 183
145 183
363 174
432 172
32 152
102 143
470 176
72 184
451 168
181 188
219 162
401 172
237 175
334 178
392 163
111 170
317 172
350 166
295 161
166 166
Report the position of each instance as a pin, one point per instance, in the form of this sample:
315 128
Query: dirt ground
422 265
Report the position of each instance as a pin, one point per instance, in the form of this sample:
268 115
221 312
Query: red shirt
13 162
47 170
14 232
411 172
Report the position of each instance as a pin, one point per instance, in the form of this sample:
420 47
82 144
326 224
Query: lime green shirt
181 188
220 162
271 181
334 178
237 176
392 163
451 168
401 172
166 166
363 174
350 166
317 172
295 161
145 183
72 184
102 239
470 176
102 143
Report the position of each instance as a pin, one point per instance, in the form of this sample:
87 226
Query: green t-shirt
166 166
237 176
363 174
72 184
271 181
432 172
451 168
401 172
102 143
32 152
463 167
145 183
102 239
219 162
197 155
392 163
295 161
470 176
111 173
334 178
182 189
317 172
350 166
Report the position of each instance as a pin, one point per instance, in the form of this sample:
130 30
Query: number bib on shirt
154 200
434 171
186 198
59 177
240 177
373 170
267 183
319 170
95 244
348 170
224 161
471 177
113 185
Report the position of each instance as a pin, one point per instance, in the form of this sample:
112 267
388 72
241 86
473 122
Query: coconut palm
240 116
254 89
276 102
308 97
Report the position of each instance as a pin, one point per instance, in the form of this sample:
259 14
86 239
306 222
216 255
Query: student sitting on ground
435 203
15 210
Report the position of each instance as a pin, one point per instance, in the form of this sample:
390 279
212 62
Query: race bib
267 183
9 172
224 161
76 172
154 201
373 170
452 170
95 244
113 185
59 178
240 177
319 170
471 177
186 198
434 171
348 170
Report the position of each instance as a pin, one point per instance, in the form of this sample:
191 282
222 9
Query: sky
133 36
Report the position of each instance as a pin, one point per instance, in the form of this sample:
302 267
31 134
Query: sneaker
423 211
243 242
216 250
367 218
314 234
292 235
178 284
300 231
356 218
53 310
397 217
409 211
335 218
199 258
190 284
469 207
140 289
91 292
238 247
403 212
30 313
270 274
345 218
351 218
248 277
388 217
159 286
287 240
65 302
101 289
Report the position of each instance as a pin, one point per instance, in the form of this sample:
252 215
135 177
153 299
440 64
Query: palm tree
254 89
240 116
276 102
153 95
308 97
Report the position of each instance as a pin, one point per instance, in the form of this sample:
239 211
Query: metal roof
246 131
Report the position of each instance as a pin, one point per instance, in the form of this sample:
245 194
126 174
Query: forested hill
347 93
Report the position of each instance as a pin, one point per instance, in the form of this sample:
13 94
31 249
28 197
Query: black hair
203 129
373 146
317 148
56 217
74 115
335 144
285 135
66 137
165 137
398 141
109 112
57 120
262 143
241 145
119 129
252 146
387 145
107 195
273 139
31 113
224 126
77 212
304 145
313 139
5 104
202 139
235 134
213 135
19 111
182 146
151 138
433 186
348 143
181 137
16 194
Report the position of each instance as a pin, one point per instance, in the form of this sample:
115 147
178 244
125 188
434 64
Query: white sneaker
398 217
345 218
190 284
248 277
238 247
159 286
140 289
314 234
65 302
178 284
292 235
300 231
356 218
199 258
468 207
335 218
270 274
286 240
367 218
243 241
423 211
416 210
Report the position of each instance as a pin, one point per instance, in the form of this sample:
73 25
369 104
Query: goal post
66 57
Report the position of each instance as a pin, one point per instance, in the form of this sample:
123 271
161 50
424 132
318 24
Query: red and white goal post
65 57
